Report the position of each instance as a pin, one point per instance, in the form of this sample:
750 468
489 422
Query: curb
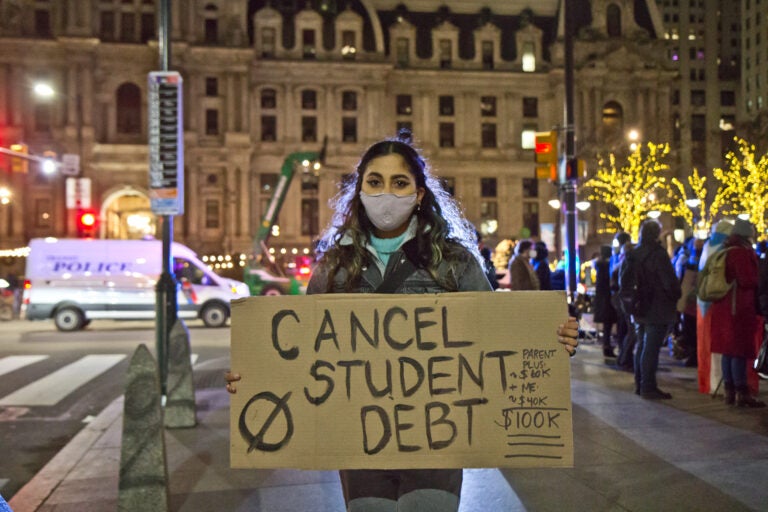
36 491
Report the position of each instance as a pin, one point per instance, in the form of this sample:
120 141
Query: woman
396 230
734 317
522 276
540 264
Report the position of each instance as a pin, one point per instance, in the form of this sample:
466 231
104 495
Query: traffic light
19 164
546 155
87 223
575 169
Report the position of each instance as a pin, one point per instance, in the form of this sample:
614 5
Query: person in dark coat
521 273
540 264
734 317
653 325
601 305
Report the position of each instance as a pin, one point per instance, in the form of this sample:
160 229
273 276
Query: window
129 109
348 47
211 24
147 26
531 217
107 26
268 182
42 213
127 27
530 107
446 135
488 135
488 187
349 129
487 54
529 58
310 225
488 106
349 100
727 98
404 104
401 50
698 128
211 86
698 98
43 23
445 53
42 117
268 98
446 105
613 21
268 128
211 121
308 129
530 188
212 213
308 99
268 43
528 137
308 44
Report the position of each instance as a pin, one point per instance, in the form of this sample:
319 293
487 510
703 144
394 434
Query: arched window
613 121
128 109
211 24
613 21
529 57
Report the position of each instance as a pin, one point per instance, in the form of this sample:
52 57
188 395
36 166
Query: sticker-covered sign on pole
166 143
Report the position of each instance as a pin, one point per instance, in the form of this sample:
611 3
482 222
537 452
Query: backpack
712 285
635 293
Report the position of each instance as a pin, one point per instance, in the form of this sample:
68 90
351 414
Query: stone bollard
143 473
180 404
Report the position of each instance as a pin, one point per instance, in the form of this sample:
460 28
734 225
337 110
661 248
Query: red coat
734 334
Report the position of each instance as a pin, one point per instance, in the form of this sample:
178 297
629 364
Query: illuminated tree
683 203
744 185
632 190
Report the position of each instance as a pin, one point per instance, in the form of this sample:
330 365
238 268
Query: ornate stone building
262 79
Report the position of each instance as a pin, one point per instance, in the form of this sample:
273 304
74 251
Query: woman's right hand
231 378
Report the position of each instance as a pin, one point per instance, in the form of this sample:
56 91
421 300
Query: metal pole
166 303
570 187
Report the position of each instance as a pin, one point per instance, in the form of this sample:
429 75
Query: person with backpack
648 278
734 316
708 363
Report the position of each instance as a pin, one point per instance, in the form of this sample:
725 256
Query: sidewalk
688 453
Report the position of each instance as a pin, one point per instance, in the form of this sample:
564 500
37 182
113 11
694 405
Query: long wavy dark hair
442 233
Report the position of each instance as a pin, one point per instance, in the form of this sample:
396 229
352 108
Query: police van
74 281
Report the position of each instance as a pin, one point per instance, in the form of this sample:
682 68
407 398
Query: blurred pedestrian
540 264
601 305
490 269
625 329
521 273
653 325
734 317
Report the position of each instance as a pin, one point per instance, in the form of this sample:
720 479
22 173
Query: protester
540 264
734 317
708 364
653 325
522 276
625 329
395 215
601 305
686 306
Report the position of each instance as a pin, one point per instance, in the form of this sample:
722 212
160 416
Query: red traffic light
543 147
87 219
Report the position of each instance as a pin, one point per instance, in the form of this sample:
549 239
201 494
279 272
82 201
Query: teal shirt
384 247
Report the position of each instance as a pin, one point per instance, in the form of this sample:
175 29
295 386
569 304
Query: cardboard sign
349 381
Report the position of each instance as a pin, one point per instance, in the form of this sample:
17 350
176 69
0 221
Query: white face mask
532 254
388 211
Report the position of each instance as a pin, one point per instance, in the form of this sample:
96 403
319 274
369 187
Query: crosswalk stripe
12 363
53 387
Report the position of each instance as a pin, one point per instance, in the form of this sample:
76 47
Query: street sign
166 143
70 164
78 193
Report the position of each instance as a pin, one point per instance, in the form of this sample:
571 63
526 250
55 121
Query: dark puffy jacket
466 275
659 274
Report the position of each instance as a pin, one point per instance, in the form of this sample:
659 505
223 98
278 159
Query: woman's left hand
568 334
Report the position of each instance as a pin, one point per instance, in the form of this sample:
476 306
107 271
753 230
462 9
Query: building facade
264 79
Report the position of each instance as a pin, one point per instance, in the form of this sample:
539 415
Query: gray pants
403 490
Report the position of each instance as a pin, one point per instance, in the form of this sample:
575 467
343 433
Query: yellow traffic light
19 164
546 152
